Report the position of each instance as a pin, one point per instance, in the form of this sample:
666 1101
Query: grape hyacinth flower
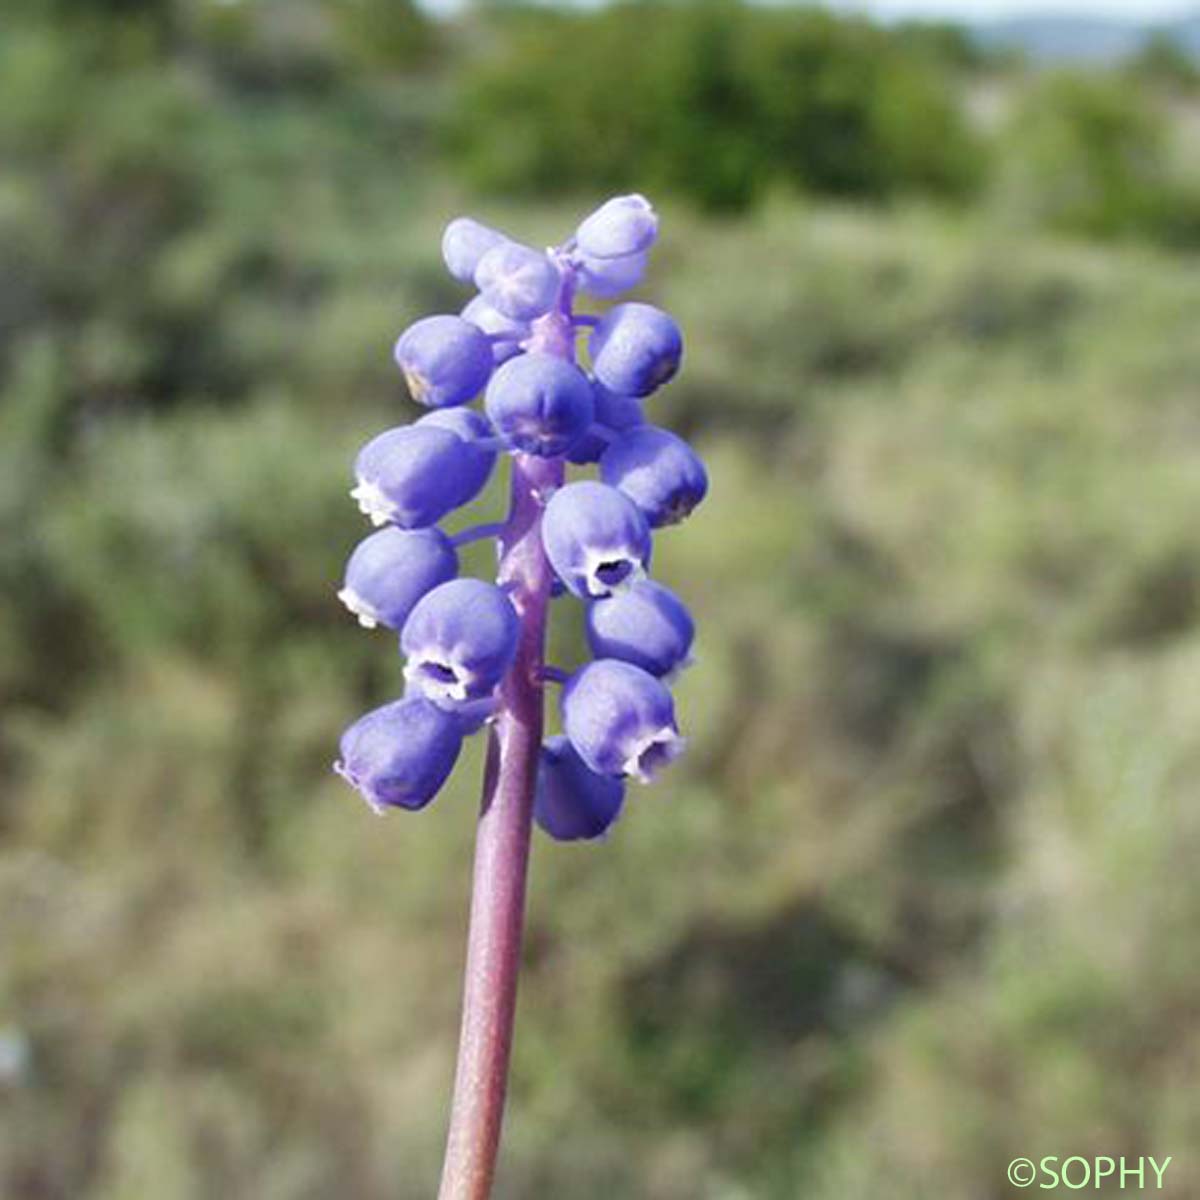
413 475
474 649
464 243
398 756
645 624
658 471
621 226
392 569
445 360
540 403
573 803
518 281
596 538
459 641
620 719
636 348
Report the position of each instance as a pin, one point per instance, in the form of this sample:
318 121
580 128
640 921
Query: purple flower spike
519 282
464 243
474 651
646 624
398 756
392 569
611 412
608 277
413 476
573 803
459 641
621 226
481 314
658 471
445 360
635 349
596 538
540 404
621 720
474 429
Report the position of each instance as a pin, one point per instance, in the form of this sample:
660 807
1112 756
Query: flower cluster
515 343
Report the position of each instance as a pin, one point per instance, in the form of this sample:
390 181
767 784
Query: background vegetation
922 896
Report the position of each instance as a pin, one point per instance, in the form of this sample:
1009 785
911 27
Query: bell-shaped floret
620 719
446 360
459 641
414 475
645 624
635 348
392 569
540 404
596 538
658 471
464 243
573 803
398 756
621 226
518 281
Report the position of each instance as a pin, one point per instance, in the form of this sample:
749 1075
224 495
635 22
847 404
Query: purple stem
476 533
505 824
502 854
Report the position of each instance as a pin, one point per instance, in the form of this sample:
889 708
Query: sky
1144 10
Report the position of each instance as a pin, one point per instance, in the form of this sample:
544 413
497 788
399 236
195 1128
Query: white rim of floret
367 614
672 747
436 689
594 559
341 769
372 502
418 385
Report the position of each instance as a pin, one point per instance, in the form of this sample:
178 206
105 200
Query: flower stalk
474 649
502 852
505 827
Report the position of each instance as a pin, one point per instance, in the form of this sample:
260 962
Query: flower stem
502 851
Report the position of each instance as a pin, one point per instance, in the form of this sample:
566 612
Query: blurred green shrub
383 33
716 102
1089 154
1164 64
303 44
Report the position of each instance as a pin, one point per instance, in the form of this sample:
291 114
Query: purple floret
459 641
573 803
414 475
646 624
445 360
621 226
392 569
596 538
620 719
658 471
540 404
398 756
518 281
